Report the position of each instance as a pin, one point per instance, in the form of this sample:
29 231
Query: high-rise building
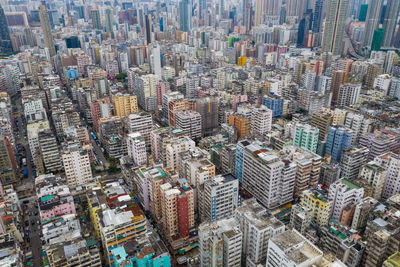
372 21
190 122
177 209
257 228
390 22
282 247
77 166
5 41
8 164
336 14
358 124
390 163
155 60
300 218
96 22
219 197
220 243
142 123
208 109
318 203
49 155
322 120
338 139
274 103
375 176
109 22
306 136
185 15
348 94
241 124
260 120
259 12
377 39
338 78
318 16
46 28
264 174
344 193
125 105
136 148
329 174
352 160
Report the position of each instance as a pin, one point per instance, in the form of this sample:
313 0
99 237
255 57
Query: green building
363 12
306 136
377 39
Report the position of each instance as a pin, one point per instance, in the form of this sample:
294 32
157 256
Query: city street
30 210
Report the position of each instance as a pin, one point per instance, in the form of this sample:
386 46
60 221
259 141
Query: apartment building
220 243
77 166
219 197
319 204
343 193
266 175
257 228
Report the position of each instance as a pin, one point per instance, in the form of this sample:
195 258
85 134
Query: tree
113 165
121 76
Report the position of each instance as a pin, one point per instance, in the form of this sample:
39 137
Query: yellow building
393 261
318 203
125 105
96 201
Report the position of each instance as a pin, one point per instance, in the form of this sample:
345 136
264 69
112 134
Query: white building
257 228
189 122
343 193
155 60
261 120
375 176
136 148
264 174
34 110
220 243
348 94
292 249
219 198
77 166
142 123
382 83
359 124
309 80
391 163
174 147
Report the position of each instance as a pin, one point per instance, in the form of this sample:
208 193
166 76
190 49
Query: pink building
52 206
162 89
237 99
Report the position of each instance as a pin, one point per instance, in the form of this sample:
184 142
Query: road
32 228
31 231
98 152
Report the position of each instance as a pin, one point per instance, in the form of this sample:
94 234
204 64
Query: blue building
338 139
239 159
72 73
150 253
274 103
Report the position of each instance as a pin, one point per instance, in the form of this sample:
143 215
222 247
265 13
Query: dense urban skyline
200 133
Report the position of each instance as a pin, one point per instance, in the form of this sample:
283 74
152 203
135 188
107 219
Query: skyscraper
96 22
48 37
259 12
338 139
5 41
185 15
390 21
372 22
318 16
148 22
334 26
109 21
